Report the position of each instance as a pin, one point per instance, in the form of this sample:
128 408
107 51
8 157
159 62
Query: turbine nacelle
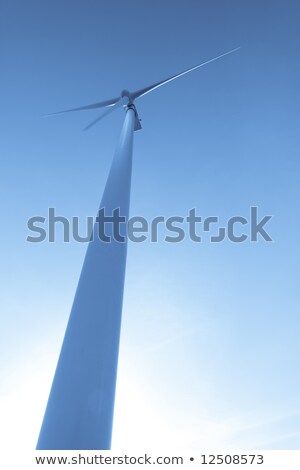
128 99
137 124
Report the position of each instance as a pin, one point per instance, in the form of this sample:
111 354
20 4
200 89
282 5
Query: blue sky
209 349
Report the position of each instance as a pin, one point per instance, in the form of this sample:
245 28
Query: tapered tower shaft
79 412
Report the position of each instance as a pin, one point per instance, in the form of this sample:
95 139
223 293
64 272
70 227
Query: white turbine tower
79 412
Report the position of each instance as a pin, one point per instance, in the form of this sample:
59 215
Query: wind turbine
79 412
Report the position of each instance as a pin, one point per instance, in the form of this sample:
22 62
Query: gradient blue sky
210 336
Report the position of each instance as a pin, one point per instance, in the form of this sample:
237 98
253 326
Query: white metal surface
79 412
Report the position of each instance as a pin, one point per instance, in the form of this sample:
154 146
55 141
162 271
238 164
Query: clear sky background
209 351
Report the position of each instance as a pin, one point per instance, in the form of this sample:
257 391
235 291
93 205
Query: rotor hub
127 94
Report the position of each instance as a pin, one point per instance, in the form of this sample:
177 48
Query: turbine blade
118 104
101 104
148 89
